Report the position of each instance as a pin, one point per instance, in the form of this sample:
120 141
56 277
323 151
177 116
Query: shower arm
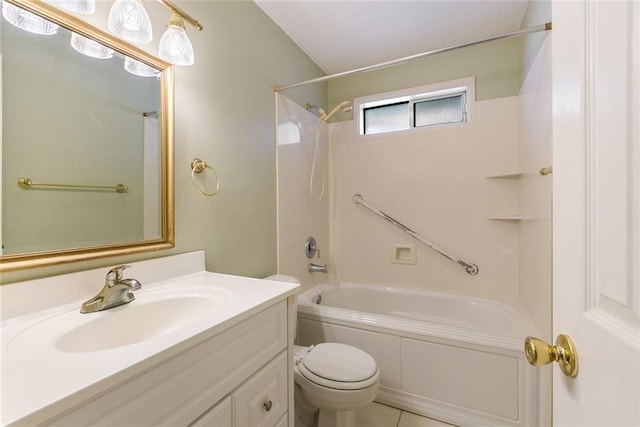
471 269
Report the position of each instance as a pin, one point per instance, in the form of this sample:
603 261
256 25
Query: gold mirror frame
41 259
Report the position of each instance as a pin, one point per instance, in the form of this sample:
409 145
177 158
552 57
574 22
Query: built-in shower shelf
505 190
508 175
514 218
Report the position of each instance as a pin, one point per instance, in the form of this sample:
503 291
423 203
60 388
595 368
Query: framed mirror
86 145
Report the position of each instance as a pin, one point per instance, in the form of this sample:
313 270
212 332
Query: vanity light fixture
129 20
89 47
27 20
81 7
175 46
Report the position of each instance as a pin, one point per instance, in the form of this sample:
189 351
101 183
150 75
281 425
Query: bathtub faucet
315 268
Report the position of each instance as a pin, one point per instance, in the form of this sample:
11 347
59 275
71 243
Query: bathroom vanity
194 348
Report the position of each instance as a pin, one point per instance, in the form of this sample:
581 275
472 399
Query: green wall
496 66
500 66
225 112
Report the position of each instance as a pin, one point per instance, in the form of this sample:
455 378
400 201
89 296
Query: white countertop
39 381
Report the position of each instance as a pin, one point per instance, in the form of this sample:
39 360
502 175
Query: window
439 111
386 118
440 104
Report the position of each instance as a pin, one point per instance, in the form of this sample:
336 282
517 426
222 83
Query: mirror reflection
81 143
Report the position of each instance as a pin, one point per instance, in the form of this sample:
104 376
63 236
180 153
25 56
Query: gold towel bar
26 183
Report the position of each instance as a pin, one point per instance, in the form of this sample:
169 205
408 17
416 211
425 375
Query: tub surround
299 216
41 383
433 181
535 190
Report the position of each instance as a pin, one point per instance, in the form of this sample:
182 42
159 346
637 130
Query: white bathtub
454 358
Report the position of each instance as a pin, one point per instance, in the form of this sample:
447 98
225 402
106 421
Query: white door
596 209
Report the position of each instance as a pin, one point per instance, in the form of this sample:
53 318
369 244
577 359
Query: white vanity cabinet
261 401
221 415
238 377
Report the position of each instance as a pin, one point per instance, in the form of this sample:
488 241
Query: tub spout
315 268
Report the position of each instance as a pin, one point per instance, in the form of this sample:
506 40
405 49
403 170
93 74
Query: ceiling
347 34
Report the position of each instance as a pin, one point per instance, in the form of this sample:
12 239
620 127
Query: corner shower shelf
511 175
508 175
514 218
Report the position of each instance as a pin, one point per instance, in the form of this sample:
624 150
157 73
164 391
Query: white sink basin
131 325
149 316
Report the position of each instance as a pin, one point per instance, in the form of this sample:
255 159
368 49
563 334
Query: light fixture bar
168 4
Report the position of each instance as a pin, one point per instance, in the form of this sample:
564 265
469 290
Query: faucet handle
311 248
115 274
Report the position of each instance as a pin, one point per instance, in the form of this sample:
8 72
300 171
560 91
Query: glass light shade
129 20
82 7
90 47
27 20
175 46
139 68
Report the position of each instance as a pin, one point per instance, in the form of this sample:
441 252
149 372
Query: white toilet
335 378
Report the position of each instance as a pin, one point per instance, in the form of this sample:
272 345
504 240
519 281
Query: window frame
415 95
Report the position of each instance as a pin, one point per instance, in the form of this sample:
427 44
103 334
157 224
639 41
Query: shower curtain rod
535 29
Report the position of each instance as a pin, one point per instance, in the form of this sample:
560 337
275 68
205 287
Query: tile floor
377 415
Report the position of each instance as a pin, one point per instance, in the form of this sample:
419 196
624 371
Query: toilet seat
339 366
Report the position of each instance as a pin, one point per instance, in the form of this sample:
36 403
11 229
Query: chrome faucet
116 291
315 268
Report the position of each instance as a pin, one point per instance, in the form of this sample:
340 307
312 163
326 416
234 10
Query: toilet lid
340 362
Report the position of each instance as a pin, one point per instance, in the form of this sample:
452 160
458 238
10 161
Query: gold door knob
539 353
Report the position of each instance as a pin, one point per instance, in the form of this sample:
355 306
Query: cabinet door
262 399
282 422
218 416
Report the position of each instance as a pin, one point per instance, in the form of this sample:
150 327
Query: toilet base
328 418
306 415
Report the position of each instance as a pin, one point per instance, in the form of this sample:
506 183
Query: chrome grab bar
471 269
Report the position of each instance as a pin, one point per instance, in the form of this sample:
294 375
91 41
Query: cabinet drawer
220 415
262 400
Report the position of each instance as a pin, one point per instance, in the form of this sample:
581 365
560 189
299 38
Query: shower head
344 106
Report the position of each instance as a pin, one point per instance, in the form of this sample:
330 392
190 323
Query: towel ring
199 166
